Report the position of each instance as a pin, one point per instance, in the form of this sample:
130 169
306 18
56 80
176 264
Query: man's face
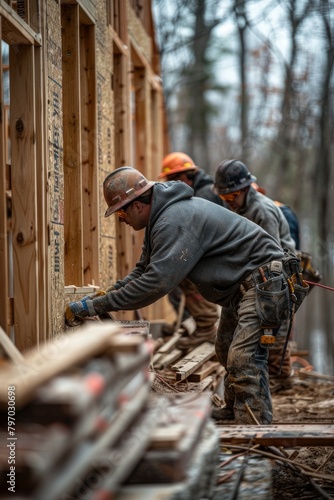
235 200
135 214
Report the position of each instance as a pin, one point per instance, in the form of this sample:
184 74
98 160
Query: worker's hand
71 319
75 312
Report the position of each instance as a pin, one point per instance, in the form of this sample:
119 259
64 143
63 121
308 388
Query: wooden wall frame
80 154
4 259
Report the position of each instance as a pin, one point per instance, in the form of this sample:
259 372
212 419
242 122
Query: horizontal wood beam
15 31
289 435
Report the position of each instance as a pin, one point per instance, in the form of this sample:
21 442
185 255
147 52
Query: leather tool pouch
300 291
272 302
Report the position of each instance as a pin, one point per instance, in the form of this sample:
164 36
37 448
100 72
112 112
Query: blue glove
83 307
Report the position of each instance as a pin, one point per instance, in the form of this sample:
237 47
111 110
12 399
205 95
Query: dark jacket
203 187
189 237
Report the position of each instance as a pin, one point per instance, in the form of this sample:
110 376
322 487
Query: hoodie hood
166 194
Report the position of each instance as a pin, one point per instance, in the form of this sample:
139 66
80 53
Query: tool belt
280 290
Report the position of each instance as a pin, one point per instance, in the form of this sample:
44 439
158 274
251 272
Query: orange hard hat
175 163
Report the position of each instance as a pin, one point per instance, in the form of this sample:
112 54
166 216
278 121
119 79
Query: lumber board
15 30
10 348
190 363
90 184
24 193
198 482
4 186
114 456
73 196
205 370
53 358
161 465
167 437
314 375
170 344
279 435
168 359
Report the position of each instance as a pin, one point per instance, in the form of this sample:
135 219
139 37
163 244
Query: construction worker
178 166
237 186
288 213
223 255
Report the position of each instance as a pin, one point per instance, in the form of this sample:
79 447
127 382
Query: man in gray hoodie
235 185
222 254
178 166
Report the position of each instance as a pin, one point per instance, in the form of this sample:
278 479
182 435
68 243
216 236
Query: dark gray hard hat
232 175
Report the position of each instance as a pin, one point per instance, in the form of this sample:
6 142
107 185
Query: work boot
197 338
222 413
278 384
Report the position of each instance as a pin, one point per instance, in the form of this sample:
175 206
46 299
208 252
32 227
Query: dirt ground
311 400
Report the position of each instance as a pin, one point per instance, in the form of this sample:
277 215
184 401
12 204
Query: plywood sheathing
139 35
105 144
55 167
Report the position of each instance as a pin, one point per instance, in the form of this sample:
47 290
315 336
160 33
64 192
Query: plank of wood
53 358
4 219
193 360
200 475
205 370
278 435
168 359
125 343
167 436
108 452
170 465
170 344
314 375
72 160
205 384
24 194
8 346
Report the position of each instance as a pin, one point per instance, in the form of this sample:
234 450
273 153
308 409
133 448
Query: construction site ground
310 401
306 472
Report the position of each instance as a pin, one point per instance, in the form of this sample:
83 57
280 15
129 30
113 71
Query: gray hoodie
263 211
190 237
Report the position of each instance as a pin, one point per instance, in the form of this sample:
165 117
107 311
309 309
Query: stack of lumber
87 423
194 370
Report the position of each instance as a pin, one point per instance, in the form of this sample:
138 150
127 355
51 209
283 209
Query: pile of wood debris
294 458
106 411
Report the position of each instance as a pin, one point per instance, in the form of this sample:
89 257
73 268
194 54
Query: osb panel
55 167
105 143
139 35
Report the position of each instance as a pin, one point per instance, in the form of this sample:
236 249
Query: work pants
275 356
238 350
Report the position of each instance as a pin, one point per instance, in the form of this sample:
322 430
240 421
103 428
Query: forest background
253 80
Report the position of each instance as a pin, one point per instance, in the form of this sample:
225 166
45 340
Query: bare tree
285 139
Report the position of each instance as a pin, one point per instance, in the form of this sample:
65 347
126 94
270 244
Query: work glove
75 312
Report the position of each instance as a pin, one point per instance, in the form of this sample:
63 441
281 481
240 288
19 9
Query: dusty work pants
238 350
275 357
